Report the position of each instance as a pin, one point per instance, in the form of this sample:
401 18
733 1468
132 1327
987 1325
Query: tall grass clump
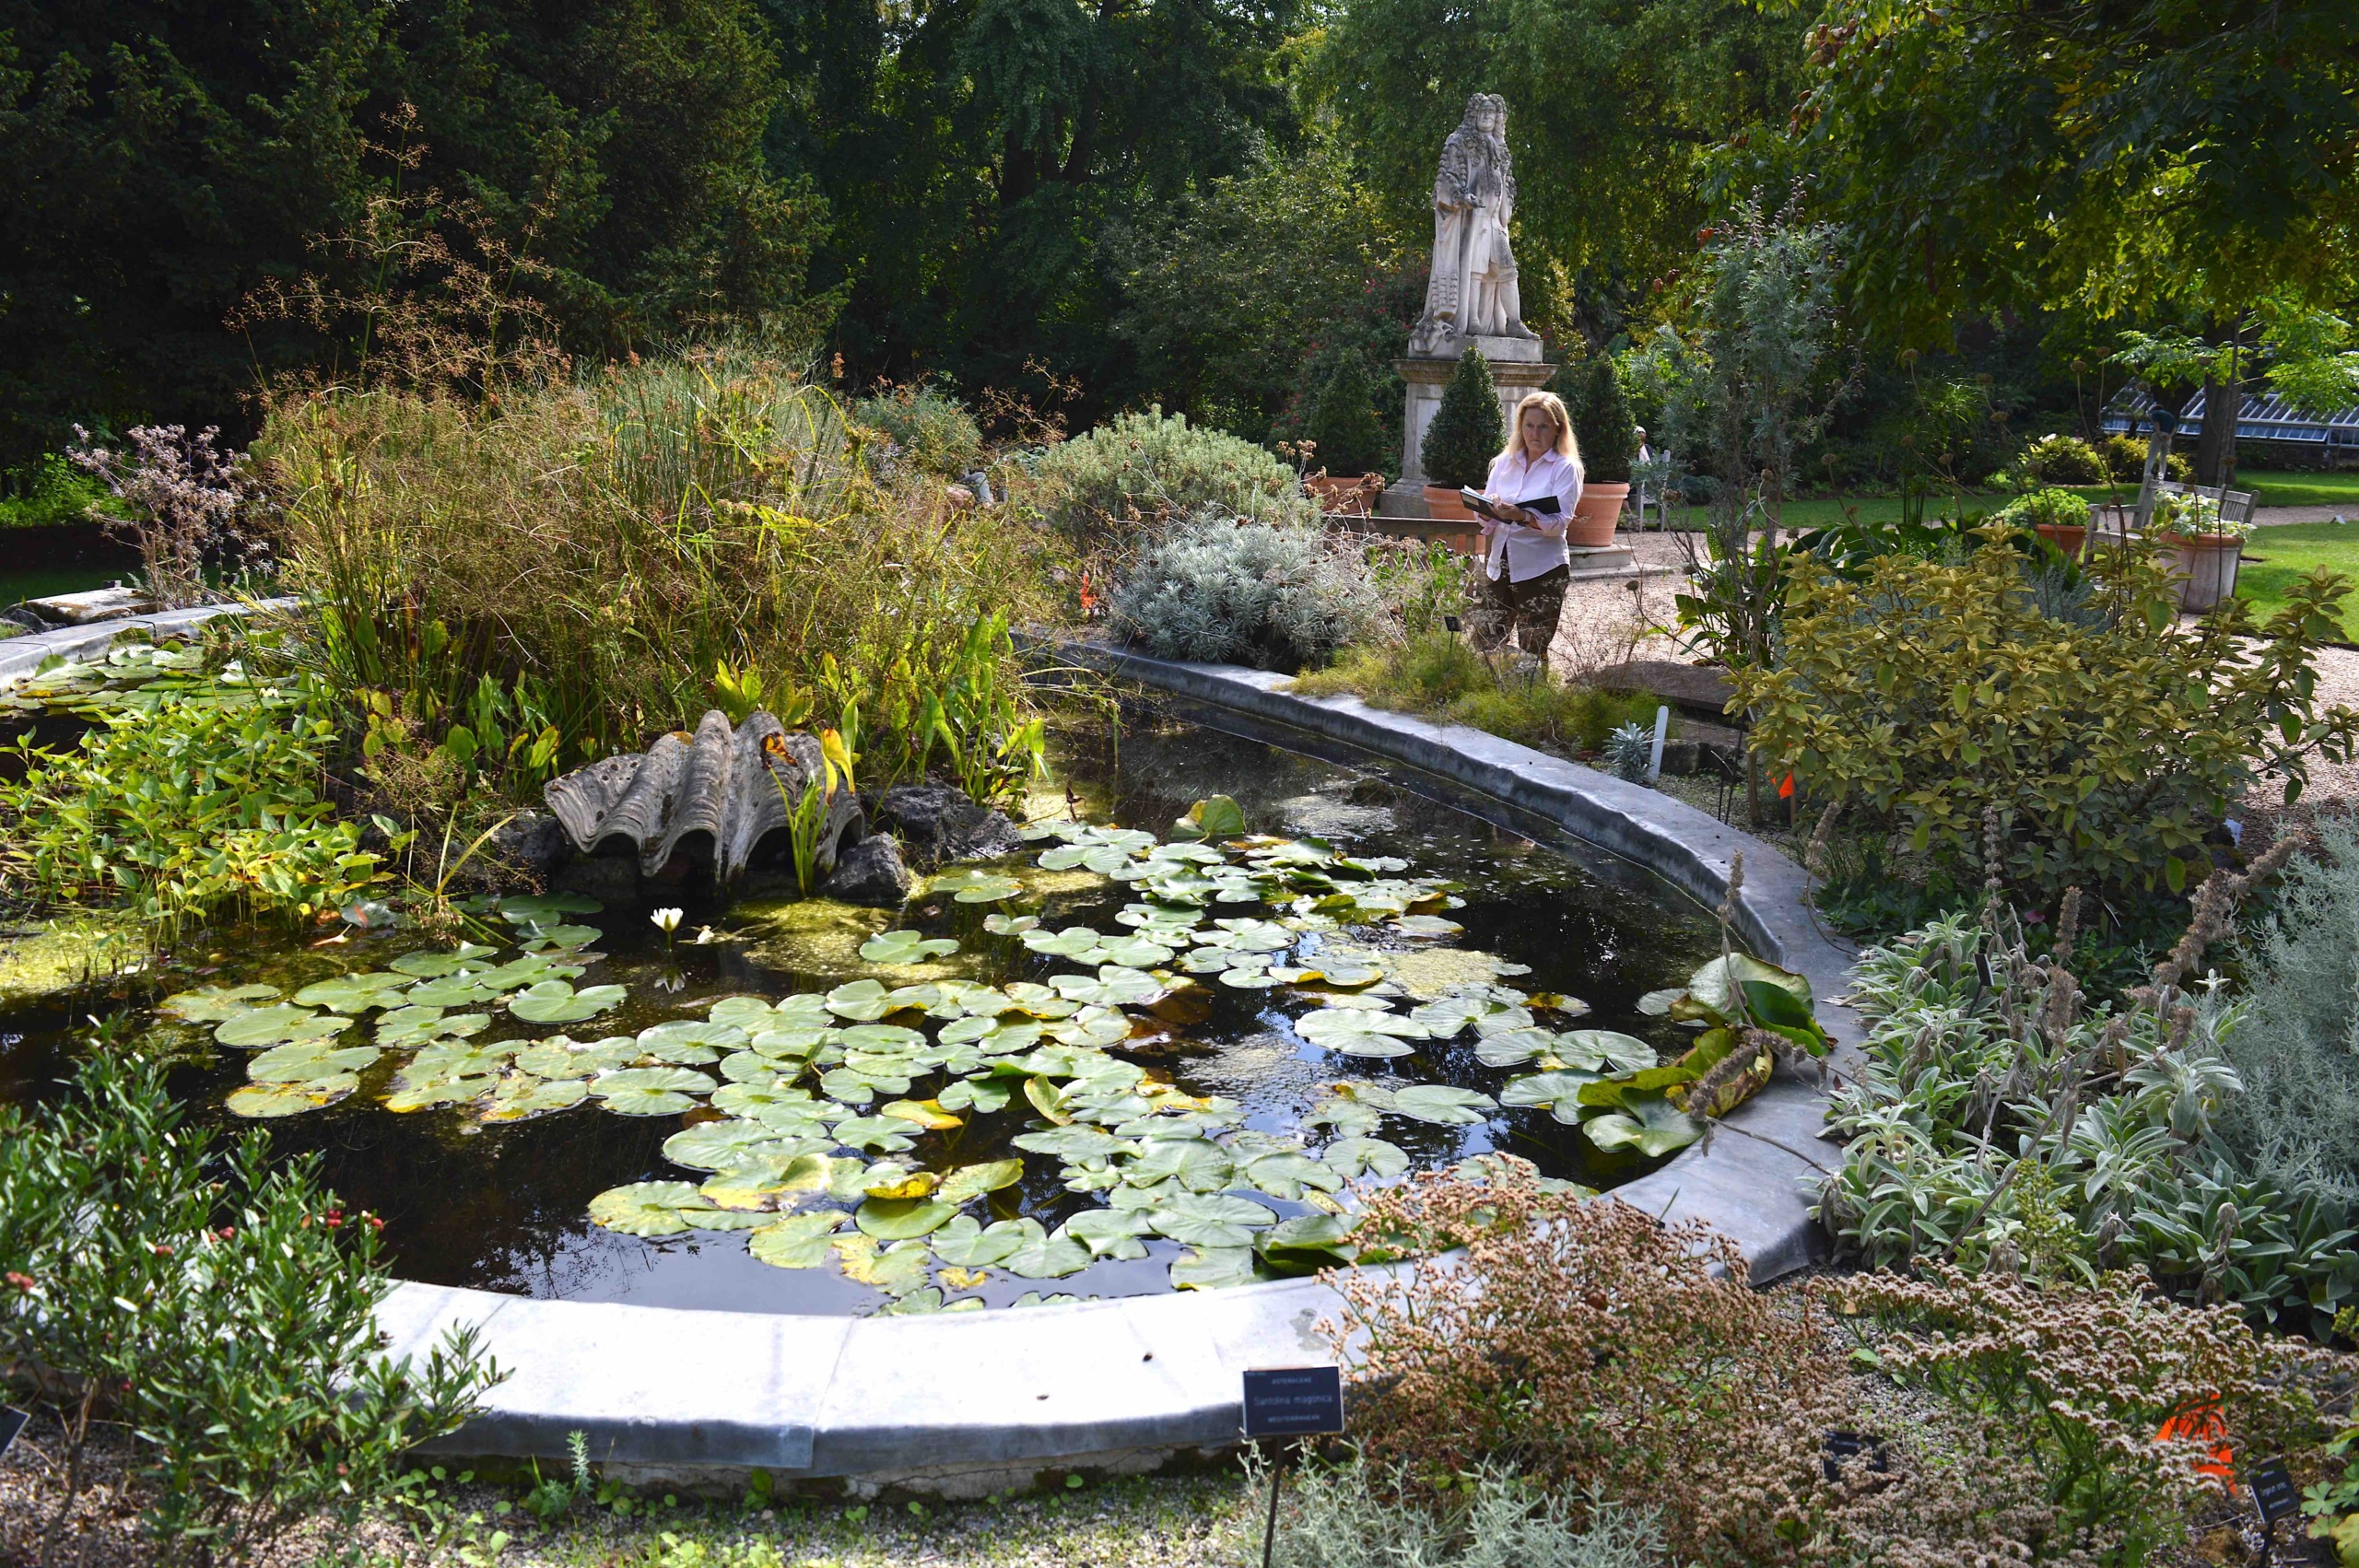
1437 673
616 551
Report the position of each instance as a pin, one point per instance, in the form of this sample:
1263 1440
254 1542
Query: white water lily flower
706 936
666 920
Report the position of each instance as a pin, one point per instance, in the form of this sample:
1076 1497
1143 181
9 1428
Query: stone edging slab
21 656
965 1405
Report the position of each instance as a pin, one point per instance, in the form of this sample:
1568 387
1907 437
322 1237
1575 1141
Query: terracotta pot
2064 536
2207 563
1443 505
1340 496
1595 516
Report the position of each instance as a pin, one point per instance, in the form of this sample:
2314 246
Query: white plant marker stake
1663 726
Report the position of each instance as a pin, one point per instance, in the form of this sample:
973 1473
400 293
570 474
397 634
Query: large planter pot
1339 495
1443 505
2207 565
2064 536
1596 515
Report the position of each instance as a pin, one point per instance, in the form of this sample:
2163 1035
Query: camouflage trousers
1526 610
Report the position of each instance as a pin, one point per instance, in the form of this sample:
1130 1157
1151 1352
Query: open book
1482 506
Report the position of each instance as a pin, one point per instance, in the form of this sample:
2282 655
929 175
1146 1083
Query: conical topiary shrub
1349 438
1466 432
1602 425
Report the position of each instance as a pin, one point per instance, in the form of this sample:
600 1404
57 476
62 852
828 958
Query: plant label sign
1294 1401
12 1422
2274 1492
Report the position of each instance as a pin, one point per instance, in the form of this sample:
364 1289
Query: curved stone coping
21 656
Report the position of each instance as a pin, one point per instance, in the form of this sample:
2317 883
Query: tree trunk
2215 449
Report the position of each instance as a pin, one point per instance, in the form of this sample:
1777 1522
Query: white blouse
1528 552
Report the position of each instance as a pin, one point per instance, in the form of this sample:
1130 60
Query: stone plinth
1515 369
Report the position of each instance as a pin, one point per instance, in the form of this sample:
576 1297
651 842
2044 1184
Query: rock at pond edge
942 823
870 872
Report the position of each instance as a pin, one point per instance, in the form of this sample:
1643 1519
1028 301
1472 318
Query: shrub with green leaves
1602 428
1224 588
1996 1119
1346 436
1144 471
2106 747
934 431
1467 431
209 802
2049 507
2060 459
216 1303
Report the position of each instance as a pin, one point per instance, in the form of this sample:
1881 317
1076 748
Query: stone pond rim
968 1404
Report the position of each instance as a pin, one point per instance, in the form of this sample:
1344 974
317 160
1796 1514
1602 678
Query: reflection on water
503 1208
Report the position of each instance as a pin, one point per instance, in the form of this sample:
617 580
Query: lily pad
1108 1233
432 964
970 1182
797 1241
559 1057
555 1002
1604 1050
865 1001
568 936
419 1095
1361 1032
296 1063
884 1134
926 1114
715 1145
1427 926
1306 1243
354 993
1558 1093
1197 1164
689 1042
520 1097
1103 858
1217 817
900 947
751 1014
980 1094
1287 1174
1209 1220
1653 1125
1513 1048
1213 1269
278 1026
1440 1105
1362 1156
265 1100
648 1208
416 1026
546 908
1115 985
452 990
898 1270
1039 1256
216 1004
967 1244
1078 1144
976 888
1077 942
899 1219
1009 925
761 1180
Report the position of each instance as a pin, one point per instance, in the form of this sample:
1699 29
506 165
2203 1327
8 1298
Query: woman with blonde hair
1532 489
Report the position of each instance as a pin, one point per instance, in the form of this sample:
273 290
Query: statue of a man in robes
1472 290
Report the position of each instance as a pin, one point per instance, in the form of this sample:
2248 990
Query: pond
1035 1082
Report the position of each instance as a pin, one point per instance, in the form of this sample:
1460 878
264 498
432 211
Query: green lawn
2282 489
2275 558
42 581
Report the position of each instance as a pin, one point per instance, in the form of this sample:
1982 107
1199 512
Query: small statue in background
1473 291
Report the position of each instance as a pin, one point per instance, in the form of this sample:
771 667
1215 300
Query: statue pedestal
1515 368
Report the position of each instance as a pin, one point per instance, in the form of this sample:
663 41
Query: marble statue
1473 291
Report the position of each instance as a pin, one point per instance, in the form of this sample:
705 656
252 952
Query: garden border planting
964 1405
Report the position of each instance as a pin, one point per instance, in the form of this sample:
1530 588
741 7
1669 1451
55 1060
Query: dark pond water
504 1207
